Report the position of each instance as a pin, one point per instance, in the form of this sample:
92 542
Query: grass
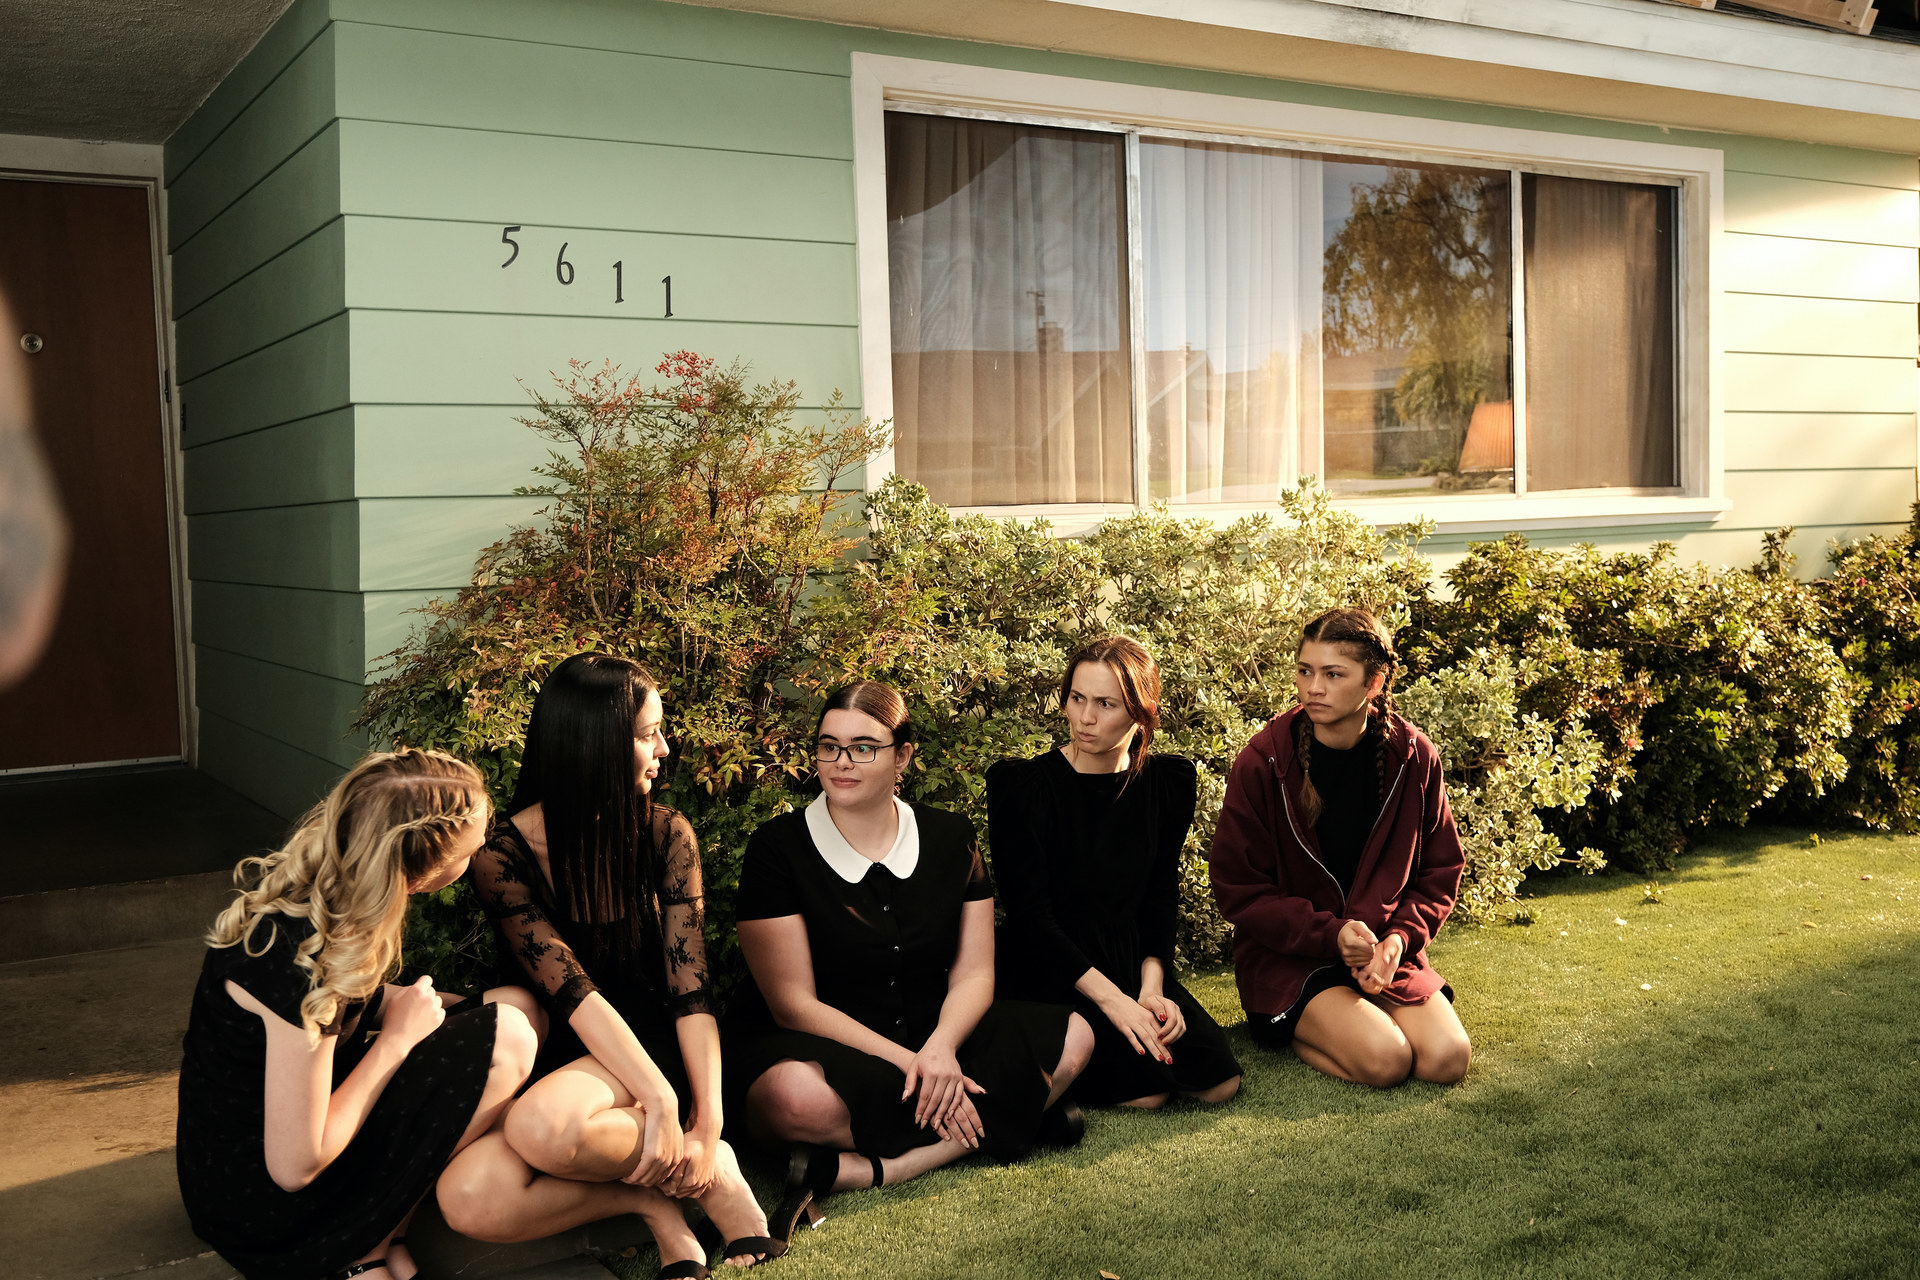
1719 1082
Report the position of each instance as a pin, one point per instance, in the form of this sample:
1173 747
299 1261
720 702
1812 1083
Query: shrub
694 527
1870 612
1705 693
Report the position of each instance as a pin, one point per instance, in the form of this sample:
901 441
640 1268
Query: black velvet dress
1089 871
544 949
391 1163
881 949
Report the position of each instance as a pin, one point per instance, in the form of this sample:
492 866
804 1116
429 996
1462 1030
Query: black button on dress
393 1161
1089 871
882 950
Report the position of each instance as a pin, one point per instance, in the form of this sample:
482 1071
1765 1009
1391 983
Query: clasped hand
944 1102
1373 961
662 1143
410 1014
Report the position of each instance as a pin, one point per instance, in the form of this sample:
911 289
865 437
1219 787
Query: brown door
76 267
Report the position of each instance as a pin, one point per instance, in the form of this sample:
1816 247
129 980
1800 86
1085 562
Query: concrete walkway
89 1066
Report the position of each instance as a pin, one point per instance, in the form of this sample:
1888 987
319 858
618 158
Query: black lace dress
400 1149
564 960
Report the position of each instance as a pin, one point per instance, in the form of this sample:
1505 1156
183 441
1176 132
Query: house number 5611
564 275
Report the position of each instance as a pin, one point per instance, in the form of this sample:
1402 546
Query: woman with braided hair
305 1142
1336 861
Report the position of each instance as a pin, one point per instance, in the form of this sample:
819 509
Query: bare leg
578 1122
1075 1053
792 1102
1344 1034
1149 1102
514 1045
1222 1092
491 1193
1441 1050
730 1204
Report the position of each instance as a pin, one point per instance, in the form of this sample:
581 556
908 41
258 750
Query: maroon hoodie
1285 906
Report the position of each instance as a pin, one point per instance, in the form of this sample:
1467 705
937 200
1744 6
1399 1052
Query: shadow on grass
1752 1132
1720 852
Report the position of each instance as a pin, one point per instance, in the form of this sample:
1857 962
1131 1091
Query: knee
1381 1063
522 999
1446 1063
1222 1092
515 1045
1078 1049
545 1136
468 1192
795 1102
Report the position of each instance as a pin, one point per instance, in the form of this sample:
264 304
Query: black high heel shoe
811 1173
1062 1125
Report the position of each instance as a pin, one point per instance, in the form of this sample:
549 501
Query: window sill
1462 515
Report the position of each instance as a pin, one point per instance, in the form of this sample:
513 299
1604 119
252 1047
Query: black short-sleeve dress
401 1148
563 960
883 937
1089 871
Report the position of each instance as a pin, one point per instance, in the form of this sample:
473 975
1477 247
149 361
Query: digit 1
668 281
617 286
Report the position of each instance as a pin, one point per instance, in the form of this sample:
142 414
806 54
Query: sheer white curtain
1010 343
1232 250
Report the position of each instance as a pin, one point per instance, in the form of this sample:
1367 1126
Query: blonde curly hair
389 823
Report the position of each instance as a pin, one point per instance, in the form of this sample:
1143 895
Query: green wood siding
353 356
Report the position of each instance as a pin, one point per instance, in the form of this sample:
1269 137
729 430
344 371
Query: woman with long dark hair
875 1043
1086 848
596 892
1336 861
317 1105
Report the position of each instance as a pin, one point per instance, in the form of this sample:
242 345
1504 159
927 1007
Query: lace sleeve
683 914
503 879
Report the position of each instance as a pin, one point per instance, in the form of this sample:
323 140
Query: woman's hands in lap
1173 1023
943 1103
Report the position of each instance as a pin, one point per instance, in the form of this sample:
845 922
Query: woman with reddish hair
1336 861
1086 850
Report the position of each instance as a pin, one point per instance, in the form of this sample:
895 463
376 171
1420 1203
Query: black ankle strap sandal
358 1268
691 1269
879 1172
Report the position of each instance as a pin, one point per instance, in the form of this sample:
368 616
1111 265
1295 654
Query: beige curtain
1231 264
1010 346
1600 334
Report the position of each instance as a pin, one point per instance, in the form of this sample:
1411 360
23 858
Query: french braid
1367 641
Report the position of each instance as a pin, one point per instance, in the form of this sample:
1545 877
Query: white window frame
881 83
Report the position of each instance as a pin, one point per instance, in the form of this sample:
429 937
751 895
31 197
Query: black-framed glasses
858 752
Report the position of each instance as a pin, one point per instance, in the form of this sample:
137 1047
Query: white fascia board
1632 41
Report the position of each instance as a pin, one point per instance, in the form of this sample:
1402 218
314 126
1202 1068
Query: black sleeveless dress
401 1148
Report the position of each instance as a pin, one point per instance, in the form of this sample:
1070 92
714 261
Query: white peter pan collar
849 863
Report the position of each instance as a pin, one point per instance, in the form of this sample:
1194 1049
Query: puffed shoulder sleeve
768 889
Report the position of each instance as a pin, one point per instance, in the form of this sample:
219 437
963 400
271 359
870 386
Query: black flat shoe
1062 1125
811 1173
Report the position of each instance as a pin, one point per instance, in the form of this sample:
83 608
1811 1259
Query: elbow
292 1176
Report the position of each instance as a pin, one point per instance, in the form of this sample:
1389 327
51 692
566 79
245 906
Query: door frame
142 166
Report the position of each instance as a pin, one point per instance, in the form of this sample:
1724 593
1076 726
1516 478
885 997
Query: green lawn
1722 1082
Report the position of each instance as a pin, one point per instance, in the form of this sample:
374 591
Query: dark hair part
579 767
1139 678
1368 642
870 698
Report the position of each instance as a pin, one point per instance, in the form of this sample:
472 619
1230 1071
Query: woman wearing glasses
872 1041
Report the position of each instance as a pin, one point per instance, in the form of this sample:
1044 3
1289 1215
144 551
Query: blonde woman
305 1141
